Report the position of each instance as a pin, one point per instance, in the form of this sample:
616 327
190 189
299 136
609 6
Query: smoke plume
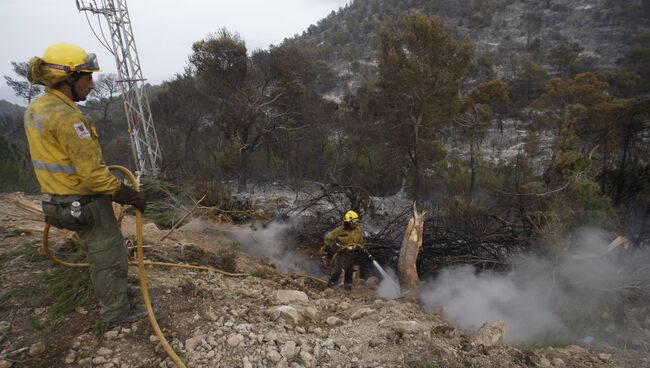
272 244
540 301
389 287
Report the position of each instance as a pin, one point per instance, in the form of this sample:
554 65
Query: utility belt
347 249
59 213
352 247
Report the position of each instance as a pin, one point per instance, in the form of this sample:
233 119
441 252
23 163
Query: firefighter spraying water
342 246
383 273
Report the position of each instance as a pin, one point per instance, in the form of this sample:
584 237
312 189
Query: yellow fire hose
141 263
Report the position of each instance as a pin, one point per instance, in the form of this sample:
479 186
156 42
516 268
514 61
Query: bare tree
533 25
418 88
21 86
104 95
258 95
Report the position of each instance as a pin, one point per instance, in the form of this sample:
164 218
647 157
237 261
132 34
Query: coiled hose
140 263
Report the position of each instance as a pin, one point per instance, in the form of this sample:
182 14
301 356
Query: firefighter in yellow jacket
67 159
343 243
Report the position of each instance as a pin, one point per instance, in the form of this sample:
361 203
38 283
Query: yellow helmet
351 216
59 61
70 58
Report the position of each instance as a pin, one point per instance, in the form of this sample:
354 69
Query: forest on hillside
511 148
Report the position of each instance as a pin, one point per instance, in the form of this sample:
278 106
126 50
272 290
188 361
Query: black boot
332 281
136 313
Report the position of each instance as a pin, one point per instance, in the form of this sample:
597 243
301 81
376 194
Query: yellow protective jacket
344 237
65 148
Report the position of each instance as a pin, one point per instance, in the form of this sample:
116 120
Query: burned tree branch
407 264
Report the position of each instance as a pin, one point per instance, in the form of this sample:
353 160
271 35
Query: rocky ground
268 319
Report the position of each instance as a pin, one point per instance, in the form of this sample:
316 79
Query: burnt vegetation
506 130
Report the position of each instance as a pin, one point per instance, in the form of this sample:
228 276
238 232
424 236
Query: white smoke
538 300
389 287
470 300
272 244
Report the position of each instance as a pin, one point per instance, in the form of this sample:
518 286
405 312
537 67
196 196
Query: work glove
126 195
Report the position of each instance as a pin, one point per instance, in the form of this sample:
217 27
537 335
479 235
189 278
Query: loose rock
362 312
111 335
311 313
235 339
99 360
342 343
288 349
104 351
246 363
36 349
372 281
306 356
70 358
334 321
192 343
274 356
287 313
211 316
290 296
490 334
544 363
408 327
270 337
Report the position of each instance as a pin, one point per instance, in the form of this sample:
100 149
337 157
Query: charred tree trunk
244 160
620 182
408 255
472 169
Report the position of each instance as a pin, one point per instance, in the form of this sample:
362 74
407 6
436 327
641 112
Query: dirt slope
266 320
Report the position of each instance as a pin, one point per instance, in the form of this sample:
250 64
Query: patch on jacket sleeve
81 130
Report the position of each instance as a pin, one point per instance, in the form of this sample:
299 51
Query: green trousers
106 256
342 261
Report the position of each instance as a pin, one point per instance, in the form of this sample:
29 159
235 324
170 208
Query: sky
164 30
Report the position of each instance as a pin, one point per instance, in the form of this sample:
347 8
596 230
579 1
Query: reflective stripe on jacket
65 148
344 236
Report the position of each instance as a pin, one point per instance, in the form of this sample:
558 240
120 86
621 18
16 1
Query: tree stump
408 255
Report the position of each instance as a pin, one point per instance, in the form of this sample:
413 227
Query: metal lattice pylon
142 133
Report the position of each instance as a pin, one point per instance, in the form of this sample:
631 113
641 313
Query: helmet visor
90 65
